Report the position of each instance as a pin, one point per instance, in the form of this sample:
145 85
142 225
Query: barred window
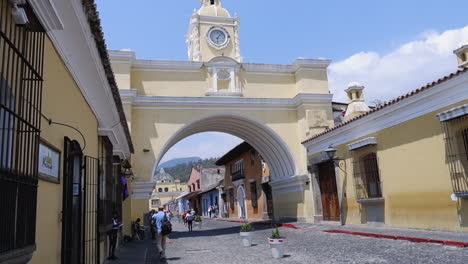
239 171
367 177
456 149
21 79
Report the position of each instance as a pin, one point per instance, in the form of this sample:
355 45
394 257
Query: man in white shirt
160 238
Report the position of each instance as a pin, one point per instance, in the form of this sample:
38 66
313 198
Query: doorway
241 202
329 191
269 200
72 225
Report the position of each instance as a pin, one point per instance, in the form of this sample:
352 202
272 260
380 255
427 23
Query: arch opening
271 147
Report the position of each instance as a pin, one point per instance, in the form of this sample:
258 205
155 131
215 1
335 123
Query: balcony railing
238 175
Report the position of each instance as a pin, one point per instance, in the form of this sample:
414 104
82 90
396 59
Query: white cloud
407 68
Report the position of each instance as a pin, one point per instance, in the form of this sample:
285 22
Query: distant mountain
175 162
182 170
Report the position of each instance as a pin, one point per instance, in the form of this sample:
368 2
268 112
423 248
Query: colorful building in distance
247 192
167 189
402 164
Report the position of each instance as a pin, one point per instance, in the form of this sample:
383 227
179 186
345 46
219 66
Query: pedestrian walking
215 211
210 210
113 235
160 218
152 225
189 218
184 217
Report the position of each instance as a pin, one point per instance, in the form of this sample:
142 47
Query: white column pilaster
232 74
215 80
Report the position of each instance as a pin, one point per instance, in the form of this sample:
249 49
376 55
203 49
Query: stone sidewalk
137 252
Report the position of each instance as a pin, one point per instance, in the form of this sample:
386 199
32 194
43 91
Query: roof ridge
391 102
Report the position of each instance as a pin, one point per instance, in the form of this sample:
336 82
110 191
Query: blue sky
391 47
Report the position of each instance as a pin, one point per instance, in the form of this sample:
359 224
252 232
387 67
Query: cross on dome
210 2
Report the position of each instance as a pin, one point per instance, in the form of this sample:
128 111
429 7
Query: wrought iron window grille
456 153
366 175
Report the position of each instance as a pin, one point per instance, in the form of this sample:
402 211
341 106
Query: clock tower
213 33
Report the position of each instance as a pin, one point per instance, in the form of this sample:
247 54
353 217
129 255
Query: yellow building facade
68 133
167 189
273 107
402 164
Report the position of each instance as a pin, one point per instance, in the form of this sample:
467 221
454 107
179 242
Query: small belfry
357 105
213 33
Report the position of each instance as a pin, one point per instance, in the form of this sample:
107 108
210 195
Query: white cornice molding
440 96
218 19
122 56
128 95
289 184
237 102
267 68
362 143
47 14
308 64
167 66
110 134
453 113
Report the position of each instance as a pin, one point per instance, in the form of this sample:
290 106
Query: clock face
218 37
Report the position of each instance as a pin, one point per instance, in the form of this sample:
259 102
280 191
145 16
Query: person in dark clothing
113 233
152 225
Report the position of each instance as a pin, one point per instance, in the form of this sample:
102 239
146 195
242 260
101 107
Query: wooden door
269 199
329 192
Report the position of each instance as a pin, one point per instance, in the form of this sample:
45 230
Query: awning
191 195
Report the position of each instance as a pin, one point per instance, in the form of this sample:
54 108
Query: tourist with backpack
163 228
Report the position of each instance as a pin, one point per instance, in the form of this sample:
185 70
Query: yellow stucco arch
264 139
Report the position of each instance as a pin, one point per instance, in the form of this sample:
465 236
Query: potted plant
198 221
276 244
246 234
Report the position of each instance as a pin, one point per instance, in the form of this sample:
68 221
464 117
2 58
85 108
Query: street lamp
127 168
331 152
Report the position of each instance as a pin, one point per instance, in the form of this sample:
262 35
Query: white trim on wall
362 143
77 49
182 102
453 113
47 14
290 184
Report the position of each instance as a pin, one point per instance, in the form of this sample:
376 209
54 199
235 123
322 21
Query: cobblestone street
220 242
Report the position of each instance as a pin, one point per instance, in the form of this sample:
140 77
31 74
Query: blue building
209 197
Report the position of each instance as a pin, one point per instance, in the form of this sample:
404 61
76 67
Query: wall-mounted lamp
19 14
331 152
146 150
127 167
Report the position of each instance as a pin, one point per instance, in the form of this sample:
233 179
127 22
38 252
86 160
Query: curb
462 244
398 237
